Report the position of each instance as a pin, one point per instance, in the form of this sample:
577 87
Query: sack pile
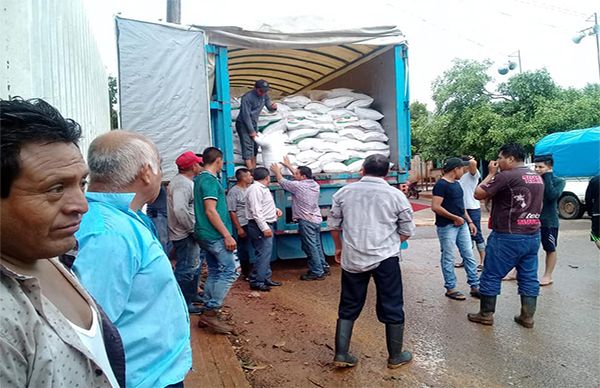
328 131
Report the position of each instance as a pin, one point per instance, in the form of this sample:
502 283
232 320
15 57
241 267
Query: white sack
360 103
332 136
296 102
308 156
335 167
340 92
309 143
293 124
317 107
333 157
272 148
356 166
338 102
368 114
234 114
352 144
371 125
303 133
318 95
376 145
276 127
315 167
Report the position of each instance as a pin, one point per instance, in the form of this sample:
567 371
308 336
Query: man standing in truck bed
246 123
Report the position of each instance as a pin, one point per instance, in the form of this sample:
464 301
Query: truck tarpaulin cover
163 87
576 153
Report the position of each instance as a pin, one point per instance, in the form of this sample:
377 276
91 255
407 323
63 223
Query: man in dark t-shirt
517 194
454 228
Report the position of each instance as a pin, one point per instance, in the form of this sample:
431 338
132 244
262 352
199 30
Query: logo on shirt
520 200
533 179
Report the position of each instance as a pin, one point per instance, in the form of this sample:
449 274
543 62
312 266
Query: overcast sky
436 31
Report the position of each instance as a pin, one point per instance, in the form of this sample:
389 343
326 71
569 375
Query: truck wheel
569 207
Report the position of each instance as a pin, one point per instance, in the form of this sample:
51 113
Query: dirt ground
286 336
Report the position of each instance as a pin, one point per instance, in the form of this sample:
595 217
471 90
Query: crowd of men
88 293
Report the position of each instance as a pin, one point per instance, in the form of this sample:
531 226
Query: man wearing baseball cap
454 227
180 207
246 123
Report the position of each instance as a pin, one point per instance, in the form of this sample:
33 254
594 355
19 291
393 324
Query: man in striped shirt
305 210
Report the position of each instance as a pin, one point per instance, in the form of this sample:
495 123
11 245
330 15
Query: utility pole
174 11
597 33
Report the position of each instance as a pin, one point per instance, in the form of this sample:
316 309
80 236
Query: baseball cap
261 84
451 163
186 160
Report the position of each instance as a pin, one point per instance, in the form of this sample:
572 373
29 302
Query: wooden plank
214 361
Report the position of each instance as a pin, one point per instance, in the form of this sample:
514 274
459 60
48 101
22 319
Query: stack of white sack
328 131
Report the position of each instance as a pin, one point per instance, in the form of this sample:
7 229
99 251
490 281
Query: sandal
456 295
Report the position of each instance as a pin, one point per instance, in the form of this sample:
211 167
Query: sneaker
312 276
197 299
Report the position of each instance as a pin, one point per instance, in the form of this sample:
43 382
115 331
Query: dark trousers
388 283
243 252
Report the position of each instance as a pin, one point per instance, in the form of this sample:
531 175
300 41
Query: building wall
47 51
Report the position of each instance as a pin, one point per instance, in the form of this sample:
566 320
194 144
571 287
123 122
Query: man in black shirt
454 228
246 123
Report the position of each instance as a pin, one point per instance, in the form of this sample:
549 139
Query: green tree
112 100
472 119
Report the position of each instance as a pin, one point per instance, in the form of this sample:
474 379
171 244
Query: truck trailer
176 84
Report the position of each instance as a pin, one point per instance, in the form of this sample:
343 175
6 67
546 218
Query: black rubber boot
486 314
528 306
343 334
394 336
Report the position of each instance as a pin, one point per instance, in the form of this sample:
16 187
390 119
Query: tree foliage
471 119
112 101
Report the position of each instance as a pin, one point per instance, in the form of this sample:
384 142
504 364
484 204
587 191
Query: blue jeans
475 215
162 229
450 237
310 236
222 272
263 246
187 253
506 251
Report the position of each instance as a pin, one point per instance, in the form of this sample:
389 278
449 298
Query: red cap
186 160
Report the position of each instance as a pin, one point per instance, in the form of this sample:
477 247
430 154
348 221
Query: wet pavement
563 349
288 332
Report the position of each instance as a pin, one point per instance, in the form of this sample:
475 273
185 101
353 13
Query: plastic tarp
575 153
163 87
296 61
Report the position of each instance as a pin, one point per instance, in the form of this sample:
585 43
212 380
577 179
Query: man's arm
288 164
472 166
270 106
334 222
480 192
436 207
210 206
245 109
551 191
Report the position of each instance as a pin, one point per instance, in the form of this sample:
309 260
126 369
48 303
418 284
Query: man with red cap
180 207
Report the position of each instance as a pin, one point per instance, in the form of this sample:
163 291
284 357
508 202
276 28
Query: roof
292 62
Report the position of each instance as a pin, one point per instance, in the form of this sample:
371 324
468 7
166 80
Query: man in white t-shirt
469 182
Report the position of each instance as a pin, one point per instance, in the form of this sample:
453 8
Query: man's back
517 196
180 206
133 281
372 215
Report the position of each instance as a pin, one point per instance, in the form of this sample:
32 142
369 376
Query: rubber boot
528 305
485 316
210 318
394 336
343 334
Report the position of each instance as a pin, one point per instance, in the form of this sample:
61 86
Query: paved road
562 350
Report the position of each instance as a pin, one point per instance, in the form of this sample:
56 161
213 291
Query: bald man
123 265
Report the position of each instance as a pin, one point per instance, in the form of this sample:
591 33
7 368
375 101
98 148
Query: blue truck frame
287 243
